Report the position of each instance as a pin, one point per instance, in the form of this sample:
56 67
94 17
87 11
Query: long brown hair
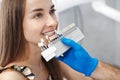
12 40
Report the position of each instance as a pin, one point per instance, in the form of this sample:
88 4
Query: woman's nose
51 21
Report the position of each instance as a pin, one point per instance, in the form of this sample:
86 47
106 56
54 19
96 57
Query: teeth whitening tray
56 48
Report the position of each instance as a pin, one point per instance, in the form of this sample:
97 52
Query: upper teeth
49 33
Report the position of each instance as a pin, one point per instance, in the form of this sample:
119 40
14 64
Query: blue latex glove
77 58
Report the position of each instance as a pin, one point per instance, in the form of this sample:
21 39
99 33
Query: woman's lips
50 33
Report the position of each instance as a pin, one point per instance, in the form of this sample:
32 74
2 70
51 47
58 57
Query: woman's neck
31 56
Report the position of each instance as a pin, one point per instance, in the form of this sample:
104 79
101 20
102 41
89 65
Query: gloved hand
77 58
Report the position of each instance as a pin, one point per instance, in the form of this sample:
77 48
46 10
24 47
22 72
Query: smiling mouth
50 36
50 33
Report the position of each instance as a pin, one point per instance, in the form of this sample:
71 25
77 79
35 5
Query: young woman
23 24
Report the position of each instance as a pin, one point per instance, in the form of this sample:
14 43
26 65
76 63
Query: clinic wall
117 35
102 34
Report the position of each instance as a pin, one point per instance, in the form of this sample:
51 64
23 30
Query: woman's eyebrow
40 9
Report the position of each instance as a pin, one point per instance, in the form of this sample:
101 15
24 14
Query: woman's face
39 20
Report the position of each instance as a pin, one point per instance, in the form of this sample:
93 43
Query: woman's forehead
31 4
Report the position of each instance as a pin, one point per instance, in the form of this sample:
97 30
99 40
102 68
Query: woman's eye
52 11
37 15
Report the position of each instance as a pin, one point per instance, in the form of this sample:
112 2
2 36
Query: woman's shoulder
11 75
16 73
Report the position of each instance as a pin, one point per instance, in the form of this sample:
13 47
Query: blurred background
99 20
